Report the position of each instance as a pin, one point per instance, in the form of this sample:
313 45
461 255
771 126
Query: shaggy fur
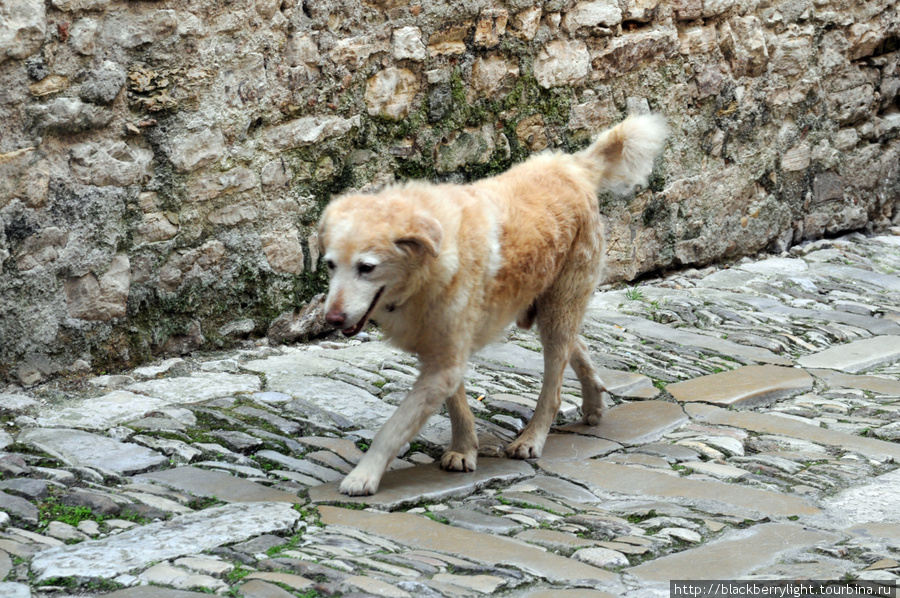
445 268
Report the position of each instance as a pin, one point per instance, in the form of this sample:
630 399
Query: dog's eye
363 268
329 264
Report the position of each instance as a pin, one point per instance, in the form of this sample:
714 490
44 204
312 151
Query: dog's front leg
433 386
464 445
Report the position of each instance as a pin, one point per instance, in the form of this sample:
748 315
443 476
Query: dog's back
549 215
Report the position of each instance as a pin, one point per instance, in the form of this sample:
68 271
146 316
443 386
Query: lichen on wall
163 163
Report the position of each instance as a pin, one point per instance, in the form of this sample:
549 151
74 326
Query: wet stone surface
754 433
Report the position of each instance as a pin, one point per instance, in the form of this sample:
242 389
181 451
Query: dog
445 268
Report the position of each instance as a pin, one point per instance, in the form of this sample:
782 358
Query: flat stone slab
196 388
737 554
619 383
633 423
876 530
283 370
773 424
154 592
422 533
9 589
79 448
856 356
562 489
226 487
777 265
717 470
847 274
428 483
352 402
287 371
877 500
555 540
479 522
725 498
766 305
567 594
19 507
16 403
648 329
834 379
100 413
746 387
669 451
5 565
185 534
574 446
303 466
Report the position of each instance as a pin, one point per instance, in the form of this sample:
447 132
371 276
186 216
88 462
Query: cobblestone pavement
754 434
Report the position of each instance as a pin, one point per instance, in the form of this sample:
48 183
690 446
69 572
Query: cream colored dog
445 268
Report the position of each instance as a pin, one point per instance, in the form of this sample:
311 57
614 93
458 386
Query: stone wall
163 163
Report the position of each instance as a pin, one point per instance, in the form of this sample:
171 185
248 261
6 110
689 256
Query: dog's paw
593 412
524 448
359 484
453 461
591 419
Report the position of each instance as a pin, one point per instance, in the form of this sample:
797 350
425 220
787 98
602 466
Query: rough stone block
283 251
132 29
605 13
525 23
191 151
70 115
111 163
41 249
210 186
852 105
406 43
469 146
562 63
103 83
308 130
449 40
355 51
490 27
155 227
492 75
391 92
80 5
743 43
82 36
627 52
23 24
100 298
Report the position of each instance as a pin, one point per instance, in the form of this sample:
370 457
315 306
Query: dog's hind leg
593 391
464 445
557 336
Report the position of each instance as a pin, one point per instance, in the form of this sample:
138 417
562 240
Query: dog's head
372 247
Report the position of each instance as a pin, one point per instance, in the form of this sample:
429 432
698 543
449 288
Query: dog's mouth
354 330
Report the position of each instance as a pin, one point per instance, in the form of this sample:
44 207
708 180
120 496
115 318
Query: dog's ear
424 235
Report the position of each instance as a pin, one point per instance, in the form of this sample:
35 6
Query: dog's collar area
362 321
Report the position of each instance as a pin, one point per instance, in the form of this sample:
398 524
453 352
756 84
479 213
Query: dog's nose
336 318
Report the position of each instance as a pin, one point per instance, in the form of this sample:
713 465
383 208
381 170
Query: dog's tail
623 156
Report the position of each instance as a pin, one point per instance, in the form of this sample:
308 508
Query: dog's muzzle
354 330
